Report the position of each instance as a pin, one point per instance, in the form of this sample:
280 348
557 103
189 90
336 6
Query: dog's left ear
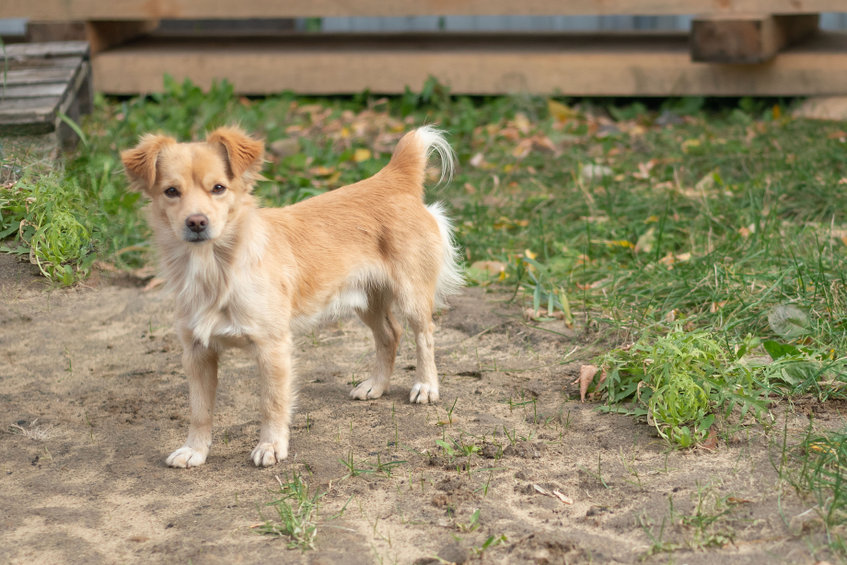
243 153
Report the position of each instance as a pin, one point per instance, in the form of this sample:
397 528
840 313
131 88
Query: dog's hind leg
387 332
425 389
201 367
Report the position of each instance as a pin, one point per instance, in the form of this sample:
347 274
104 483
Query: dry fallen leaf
586 375
557 494
563 497
361 154
711 441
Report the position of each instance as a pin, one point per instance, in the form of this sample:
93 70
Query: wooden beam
105 34
746 39
474 64
40 32
87 10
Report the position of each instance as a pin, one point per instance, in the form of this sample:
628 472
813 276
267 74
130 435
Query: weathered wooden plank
587 66
38 75
753 38
25 110
45 50
9 92
12 64
213 9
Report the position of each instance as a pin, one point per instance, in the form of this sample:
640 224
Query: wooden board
213 9
42 81
644 65
755 38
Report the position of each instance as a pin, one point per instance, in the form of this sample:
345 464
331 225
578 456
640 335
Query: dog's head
196 188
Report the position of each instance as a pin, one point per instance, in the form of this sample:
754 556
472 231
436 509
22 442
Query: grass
818 471
296 513
702 245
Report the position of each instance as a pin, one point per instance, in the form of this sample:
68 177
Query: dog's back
376 232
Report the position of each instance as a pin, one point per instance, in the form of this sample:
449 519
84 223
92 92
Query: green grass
700 245
819 472
296 513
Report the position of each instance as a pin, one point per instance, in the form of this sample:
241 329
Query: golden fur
244 275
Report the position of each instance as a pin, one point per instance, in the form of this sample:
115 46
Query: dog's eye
218 189
171 192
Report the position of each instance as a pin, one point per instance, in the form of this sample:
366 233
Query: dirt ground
92 399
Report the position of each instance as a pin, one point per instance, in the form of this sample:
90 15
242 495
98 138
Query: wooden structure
736 47
40 83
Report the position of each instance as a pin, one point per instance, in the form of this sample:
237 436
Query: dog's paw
368 389
423 394
186 457
266 454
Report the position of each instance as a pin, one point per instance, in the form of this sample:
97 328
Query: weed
599 474
679 381
820 470
490 541
472 523
353 470
297 513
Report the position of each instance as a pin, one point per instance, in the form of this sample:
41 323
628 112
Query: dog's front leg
201 367
276 399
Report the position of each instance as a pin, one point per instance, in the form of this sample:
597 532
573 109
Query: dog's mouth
194 237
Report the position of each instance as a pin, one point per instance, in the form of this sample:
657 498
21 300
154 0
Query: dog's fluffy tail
450 278
412 155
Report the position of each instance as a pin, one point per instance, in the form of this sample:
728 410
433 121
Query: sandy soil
92 399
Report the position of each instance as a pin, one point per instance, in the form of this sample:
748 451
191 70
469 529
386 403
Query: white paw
423 394
368 389
266 454
185 457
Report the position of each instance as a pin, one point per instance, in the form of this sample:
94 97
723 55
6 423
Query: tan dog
244 275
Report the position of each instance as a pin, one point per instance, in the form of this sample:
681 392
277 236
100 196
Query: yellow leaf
522 123
530 254
345 132
559 111
361 154
689 143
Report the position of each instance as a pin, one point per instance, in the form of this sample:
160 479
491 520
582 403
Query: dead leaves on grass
586 377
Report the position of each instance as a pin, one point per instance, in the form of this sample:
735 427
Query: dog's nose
197 222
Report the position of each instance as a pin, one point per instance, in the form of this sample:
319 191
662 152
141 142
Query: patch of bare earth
92 399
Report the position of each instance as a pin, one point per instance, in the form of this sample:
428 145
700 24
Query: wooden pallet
736 47
42 82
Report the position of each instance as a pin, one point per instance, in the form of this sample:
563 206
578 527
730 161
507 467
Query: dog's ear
140 161
244 155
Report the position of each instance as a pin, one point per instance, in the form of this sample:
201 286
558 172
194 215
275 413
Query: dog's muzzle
196 228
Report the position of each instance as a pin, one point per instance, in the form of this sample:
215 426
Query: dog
248 276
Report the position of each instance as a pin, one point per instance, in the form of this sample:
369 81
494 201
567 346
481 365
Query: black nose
197 222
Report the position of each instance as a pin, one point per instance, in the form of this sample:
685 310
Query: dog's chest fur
220 294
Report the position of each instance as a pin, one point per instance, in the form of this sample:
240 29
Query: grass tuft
297 513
